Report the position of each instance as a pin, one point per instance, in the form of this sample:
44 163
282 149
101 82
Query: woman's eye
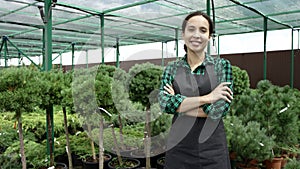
203 30
191 29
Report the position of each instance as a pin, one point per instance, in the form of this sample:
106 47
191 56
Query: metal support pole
87 58
43 50
102 37
48 67
5 51
162 54
265 47
292 61
73 55
208 13
7 40
60 60
117 53
48 35
176 42
218 47
1 47
19 56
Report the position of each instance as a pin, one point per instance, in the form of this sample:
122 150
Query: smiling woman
197 89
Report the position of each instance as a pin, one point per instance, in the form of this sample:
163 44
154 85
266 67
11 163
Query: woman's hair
198 13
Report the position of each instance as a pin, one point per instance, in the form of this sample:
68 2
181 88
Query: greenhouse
68 95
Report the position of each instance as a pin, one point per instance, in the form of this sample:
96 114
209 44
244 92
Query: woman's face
196 34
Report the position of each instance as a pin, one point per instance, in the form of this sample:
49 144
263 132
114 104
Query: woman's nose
196 34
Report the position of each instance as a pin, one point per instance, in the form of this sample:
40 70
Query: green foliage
9 132
292 164
250 141
132 134
36 153
161 122
144 80
92 88
275 108
66 92
103 90
241 80
7 162
79 143
53 83
84 92
106 70
20 89
127 163
36 123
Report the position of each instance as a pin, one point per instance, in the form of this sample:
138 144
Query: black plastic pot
160 164
89 164
126 152
140 155
61 166
113 162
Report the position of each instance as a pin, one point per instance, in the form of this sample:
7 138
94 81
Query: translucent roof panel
131 22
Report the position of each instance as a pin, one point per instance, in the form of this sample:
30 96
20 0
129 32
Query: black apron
184 150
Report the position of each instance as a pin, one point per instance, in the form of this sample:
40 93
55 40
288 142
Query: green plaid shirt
170 103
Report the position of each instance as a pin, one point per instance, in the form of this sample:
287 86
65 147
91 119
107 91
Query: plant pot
274 164
233 160
58 165
247 167
140 155
76 160
128 163
61 166
251 165
284 160
89 163
160 164
125 152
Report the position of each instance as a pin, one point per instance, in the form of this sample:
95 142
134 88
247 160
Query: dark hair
198 13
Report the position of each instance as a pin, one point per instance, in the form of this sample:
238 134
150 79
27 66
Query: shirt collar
207 60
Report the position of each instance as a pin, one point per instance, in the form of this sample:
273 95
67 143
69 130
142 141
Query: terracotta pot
274 164
284 160
247 167
244 166
232 155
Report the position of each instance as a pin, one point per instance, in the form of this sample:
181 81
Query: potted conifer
251 142
19 92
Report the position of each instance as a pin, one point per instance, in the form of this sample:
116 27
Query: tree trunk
101 149
116 145
49 114
121 133
92 142
67 138
22 148
147 139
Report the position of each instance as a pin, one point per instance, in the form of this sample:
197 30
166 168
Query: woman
197 89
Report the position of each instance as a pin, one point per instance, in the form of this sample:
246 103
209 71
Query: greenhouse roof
131 22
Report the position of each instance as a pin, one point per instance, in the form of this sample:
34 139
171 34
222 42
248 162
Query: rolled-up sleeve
169 103
221 107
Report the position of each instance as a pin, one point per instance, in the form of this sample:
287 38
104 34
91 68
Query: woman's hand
169 89
222 91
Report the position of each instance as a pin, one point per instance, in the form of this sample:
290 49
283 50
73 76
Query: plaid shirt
170 103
